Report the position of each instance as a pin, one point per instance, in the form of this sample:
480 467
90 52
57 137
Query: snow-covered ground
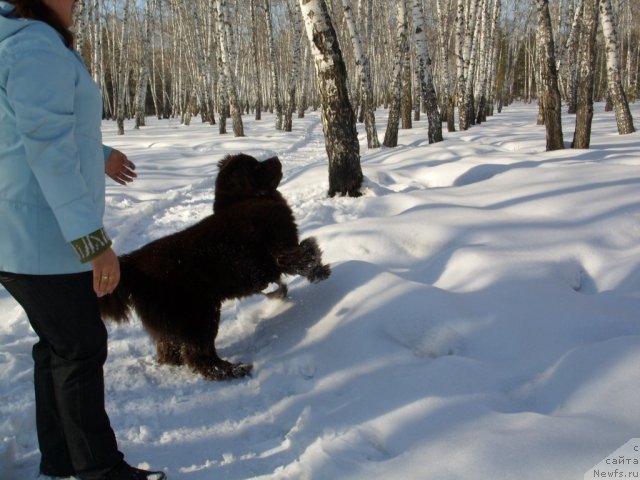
482 320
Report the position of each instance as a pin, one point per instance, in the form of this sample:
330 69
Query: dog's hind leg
199 351
169 351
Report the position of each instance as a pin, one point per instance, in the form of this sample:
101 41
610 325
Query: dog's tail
117 306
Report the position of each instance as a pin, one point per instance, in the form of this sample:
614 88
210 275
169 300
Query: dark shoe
124 471
49 477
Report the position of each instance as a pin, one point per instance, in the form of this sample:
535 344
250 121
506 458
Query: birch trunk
550 97
122 69
570 52
275 82
489 25
224 31
614 78
303 101
143 77
200 58
395 89
294 16
221 87
81 24
256 59
459 48
425 75
406 102
465 99
338 117
481 72
97 59
166 100
364 74
441 17
494 58
587 55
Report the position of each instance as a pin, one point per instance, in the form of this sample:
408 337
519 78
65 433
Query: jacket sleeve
106 151
41 91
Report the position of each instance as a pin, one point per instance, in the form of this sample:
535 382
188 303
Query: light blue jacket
52 180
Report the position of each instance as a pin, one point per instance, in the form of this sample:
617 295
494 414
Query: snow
481 320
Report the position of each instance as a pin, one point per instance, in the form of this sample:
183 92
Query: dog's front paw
319 273
313 269
310 248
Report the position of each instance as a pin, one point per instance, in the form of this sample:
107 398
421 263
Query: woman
55 256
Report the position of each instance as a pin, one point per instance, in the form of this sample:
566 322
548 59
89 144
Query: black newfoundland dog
177 284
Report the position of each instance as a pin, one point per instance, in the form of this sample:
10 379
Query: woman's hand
106 272
120 168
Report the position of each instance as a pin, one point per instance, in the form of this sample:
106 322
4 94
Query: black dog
177 284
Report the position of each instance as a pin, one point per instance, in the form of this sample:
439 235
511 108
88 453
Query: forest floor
482 320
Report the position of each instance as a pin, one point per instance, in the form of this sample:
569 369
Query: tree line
454 61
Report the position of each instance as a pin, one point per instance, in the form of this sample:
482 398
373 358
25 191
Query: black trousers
74 432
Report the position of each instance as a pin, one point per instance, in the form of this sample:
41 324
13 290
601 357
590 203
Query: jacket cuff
106 152
90 246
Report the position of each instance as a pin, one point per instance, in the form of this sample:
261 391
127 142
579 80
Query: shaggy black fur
177 284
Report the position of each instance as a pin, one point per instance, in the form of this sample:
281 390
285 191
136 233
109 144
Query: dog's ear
270 174
224 162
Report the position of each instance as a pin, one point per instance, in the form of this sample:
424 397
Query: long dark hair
37 10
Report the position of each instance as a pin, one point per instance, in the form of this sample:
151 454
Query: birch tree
256 59
338 117
294 15
551 102
585 87
425 75
122 69
364 75
225 40
441 25
275 94
97 58
465 94
569 62
406 95
459 52
494 57
204 73
166 101
143 76
490 15
221 86
395 89
490 57
616 90
81 24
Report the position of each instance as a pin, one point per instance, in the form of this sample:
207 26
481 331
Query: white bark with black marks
395 88
276 104
338 117
550 93
614 77
585 87
424 73
364 74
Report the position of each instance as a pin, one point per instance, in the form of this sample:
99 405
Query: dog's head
242 176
